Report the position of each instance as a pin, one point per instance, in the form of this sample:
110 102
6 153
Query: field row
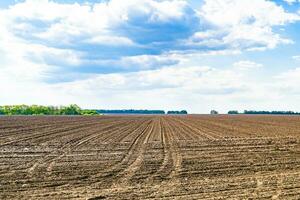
150 157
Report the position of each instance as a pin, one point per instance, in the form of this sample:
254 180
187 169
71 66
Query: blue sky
150 54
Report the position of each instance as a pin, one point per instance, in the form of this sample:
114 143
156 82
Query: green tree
89 112
214 112
1 111
72 109
42 110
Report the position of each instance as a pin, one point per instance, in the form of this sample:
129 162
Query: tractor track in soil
150 157
104 133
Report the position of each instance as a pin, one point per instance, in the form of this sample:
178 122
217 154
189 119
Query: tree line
131 111
182 112
72 109
139 112
253 112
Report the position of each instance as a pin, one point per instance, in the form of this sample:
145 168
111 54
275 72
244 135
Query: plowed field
150 157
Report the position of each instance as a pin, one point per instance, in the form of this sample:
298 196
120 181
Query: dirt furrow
50 159
173 180
150 157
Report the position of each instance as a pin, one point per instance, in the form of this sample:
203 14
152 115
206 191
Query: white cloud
165 88
33 61
196 88
202 80
290 2
48 32
38 38
289 81
135 63
227 23
95 20
296 58
111 40
168 88
242 24
247 65
148 61
224 13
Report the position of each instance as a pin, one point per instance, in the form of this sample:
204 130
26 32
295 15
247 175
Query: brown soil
150 157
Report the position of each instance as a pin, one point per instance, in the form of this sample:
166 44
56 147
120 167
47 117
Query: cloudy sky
149 54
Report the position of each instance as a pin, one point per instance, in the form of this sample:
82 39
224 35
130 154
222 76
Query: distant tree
42 110
253 112
214 112
130 111
182 112
73 109
233 112
89 112
1 111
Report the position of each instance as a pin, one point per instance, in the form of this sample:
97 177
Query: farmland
150 157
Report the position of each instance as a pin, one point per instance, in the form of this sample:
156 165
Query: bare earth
150 157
